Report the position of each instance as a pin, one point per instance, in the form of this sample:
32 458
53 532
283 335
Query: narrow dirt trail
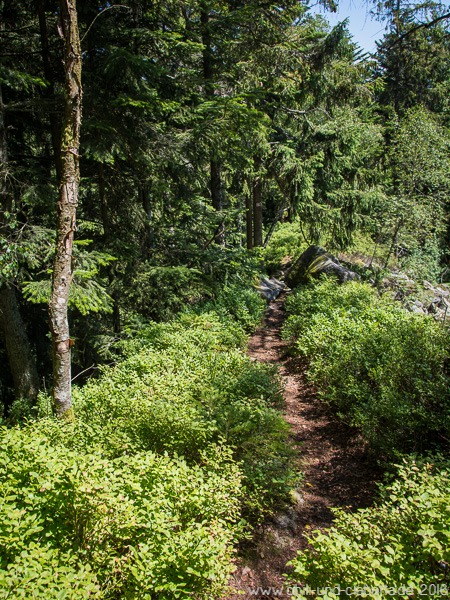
337 471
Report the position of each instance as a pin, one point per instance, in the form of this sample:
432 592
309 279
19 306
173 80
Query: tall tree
413 58
12 327
63 266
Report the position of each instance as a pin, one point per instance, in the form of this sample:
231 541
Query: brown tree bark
12 327
66 212
20 357
215 177
257 206
249 220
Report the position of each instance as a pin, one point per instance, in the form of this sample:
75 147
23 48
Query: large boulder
312 263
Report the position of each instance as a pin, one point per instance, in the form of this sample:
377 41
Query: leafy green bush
185 386
287 241
144 495
160 291
403 541
424 262
240 303
77 524
384 369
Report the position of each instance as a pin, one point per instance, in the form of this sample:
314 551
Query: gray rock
416 309
266 292
270 289
280 284
314 261
286 520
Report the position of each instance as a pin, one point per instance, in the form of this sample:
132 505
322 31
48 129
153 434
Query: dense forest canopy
204 125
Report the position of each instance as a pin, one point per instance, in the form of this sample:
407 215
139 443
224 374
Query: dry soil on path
333 458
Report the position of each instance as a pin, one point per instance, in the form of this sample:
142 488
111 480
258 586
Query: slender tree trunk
274 223
66 212
18 349
257 206
249 220
393 243
49 91
20 357
216 186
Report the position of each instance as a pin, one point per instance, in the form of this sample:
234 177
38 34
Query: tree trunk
273 225
20 357
393 243
66 213
216 187
257 206
49 91
249 220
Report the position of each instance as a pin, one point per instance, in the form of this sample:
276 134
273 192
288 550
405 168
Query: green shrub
77 524
145 494
424 262
286 242
160 291
183 387
403 541
381 367
243 304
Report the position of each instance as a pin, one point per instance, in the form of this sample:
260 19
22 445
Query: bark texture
20 358
249 220
66 212
12 328
257 206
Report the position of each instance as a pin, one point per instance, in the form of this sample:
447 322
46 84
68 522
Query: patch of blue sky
364 28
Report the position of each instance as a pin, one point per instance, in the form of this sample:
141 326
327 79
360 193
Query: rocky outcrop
314 262
420 297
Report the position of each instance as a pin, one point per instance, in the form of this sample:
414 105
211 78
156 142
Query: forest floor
333 458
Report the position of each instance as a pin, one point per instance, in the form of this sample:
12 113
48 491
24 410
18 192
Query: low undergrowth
173 453
401 544
383 369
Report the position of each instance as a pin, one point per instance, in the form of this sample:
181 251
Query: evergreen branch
419 26
303 113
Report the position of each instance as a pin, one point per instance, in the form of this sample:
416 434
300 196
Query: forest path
337 471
